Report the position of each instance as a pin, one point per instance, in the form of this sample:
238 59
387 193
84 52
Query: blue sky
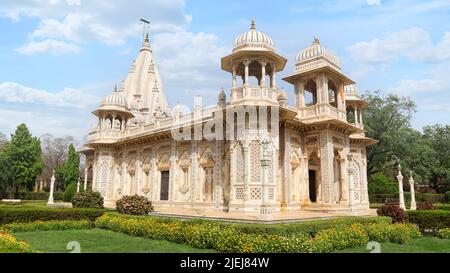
59 58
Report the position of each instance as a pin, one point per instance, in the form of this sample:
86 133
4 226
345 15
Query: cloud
414 86
414 43
50 46
107 22
11 92
373 2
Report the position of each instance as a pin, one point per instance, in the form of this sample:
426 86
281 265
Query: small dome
115 99
177 109
253 38
222 95
282 96
316 50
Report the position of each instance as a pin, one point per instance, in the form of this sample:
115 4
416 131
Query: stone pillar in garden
52 186
400 188
413 195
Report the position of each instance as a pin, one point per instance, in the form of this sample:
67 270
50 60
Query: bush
309 227
134 205
227 238
48 225
31 195
70 191
9 244
444 233
13 214
401 233
447 197
425 206
420 197
397 214
442 206
381 184
430 220
88 199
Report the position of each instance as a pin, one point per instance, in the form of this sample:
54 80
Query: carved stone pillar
300 94
246 170
233 83
413 195
246 75
326 167
400 188
263 73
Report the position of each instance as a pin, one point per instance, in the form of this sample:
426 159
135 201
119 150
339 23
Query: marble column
52 188
400 188
351 189
413 195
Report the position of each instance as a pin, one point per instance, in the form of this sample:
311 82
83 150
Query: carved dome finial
253 24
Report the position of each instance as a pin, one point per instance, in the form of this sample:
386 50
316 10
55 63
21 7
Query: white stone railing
321 111
239 93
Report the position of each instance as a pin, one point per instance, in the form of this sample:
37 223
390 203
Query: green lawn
100 241
425 244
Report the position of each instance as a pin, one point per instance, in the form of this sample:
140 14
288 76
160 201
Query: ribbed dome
115 99
314 51
253 39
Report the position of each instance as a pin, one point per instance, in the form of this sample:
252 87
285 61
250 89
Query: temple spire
253 24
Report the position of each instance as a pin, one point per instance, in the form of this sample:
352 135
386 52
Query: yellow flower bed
9 244
226 238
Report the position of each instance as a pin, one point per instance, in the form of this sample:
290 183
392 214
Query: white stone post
233 85
265 211
78 185
413 196
246 64
351 190
85 178
263 73
52 185
400 188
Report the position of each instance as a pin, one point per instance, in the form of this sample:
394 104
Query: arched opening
350 114
332 94
310 93
314 177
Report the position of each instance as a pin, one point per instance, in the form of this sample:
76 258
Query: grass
426 244
100 241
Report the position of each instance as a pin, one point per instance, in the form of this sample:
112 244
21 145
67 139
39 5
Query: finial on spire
253 24
316 40
147 39
115 87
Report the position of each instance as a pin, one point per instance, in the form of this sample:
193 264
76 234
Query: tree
23 153
54 153
385 116
3 140
70 170
438 137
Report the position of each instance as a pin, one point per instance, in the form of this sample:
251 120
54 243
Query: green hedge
47 225
30 195
309 227
420 197
229 239
444 233
430 220
9 244
442 206
24 214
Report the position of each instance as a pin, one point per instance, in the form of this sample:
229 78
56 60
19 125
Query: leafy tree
69 171
381 184
3 140
385 116
438 137
23 153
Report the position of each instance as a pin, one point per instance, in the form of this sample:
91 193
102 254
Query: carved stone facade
275 158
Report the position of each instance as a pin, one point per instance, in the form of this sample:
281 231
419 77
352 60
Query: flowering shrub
401 233
227 238
9 244
134 205
425 206
397 214
87 199
48 225
444 233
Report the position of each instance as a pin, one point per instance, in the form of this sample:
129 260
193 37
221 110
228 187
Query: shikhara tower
278 158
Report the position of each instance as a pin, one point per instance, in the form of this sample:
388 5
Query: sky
60 58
